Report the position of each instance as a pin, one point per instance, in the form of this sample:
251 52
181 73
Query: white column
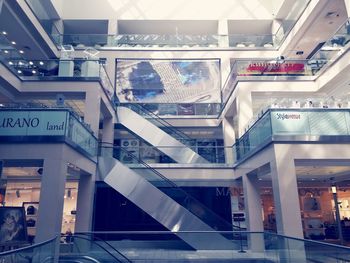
92 109
112 31
347 5
1 4
85 203
53 182
223 33
244 110
253 210
229 138
277 31
51 202
285 193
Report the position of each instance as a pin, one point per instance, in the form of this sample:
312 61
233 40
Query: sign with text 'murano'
33 123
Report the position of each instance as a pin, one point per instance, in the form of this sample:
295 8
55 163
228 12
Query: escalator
183 214
89 248
167 139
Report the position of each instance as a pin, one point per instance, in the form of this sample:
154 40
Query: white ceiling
173 10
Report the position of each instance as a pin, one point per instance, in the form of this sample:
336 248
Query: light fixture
20 63
41 63
18 194
4 32
334 189
31 63
6 51
34 71
11 63
21 51
13 42
19 71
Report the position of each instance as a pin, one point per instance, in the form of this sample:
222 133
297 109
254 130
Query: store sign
310 122
287 122
33 123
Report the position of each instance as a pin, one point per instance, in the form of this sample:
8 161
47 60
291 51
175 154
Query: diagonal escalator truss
163 141
184 214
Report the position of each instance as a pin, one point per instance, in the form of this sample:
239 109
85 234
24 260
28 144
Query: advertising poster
13 228
168 81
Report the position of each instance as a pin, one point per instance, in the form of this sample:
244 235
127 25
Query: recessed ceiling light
6 51
20 63
41 63
31 63
33 71
11 63
21 51
13 42
4 32
19 71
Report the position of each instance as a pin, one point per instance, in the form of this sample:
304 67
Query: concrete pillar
229 138
285 193
244 110
53 182
223 33
347 5
277 32
112 32
1 4
253 210
92 109
85 203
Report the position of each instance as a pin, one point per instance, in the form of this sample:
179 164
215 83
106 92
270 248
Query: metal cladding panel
157 137
160 206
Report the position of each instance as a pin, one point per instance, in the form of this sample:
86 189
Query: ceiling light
11 63
6 51
33 71
13 42
4 32
21 51
31 63
41 63
19 71
20 63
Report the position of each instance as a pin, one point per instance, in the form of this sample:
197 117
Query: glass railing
60 69
314 122
154 155
173 110
40 252
88 248
54 28
167 246
179 195
35 123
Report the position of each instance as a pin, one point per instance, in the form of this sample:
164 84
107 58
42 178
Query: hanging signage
33 123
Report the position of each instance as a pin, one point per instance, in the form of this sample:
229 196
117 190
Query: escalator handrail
172 184
160 120
105 242
94 242
18 250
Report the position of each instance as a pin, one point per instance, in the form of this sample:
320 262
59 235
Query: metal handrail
105 242
100 246
28 247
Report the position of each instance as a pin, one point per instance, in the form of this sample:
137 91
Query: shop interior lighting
334 189
13 42
21 51
4 32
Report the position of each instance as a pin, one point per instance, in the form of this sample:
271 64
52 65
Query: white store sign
33 123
